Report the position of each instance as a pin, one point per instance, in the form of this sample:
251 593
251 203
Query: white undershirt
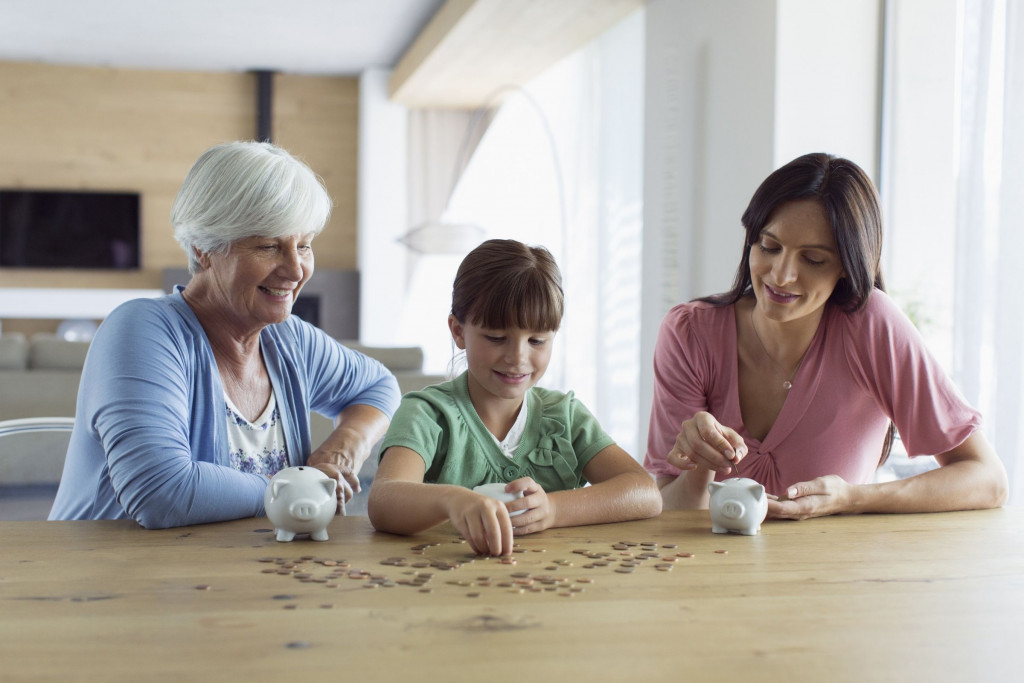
511 441
257 447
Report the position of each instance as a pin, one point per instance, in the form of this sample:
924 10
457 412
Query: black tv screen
52 229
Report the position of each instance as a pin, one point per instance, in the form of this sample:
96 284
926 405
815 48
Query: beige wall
116 129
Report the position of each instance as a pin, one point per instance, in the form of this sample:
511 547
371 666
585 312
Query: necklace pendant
787 385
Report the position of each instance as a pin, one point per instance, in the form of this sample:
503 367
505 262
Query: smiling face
257 280
794 265
502 364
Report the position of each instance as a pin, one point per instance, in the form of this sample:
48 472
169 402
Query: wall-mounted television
59 229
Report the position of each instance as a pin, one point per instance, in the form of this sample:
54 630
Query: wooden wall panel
119 129
316 118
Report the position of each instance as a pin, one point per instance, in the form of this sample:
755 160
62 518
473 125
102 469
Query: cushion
50 352
394 358
13 351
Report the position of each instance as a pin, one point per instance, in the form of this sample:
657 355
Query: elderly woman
190 402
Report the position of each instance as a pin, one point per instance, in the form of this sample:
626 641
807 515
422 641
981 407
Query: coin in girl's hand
498 492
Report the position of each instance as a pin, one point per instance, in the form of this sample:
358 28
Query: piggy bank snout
733 509
304 509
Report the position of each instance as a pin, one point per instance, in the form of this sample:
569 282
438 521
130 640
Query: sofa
39 377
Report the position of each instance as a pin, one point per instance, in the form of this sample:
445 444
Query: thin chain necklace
787 383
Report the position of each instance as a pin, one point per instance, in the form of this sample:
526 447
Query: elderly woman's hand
343 453
341 459
344 490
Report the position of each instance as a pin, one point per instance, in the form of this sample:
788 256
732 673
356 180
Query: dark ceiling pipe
264 105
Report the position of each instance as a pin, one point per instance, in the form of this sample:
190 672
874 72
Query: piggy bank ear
757 491
714 486
277 486
330 486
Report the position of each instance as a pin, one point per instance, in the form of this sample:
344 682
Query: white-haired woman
189 402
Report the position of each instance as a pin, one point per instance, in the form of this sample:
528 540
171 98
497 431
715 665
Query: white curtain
561 166
988 349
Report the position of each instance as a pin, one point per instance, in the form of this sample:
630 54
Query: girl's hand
539 508
704 443
828 495
482 521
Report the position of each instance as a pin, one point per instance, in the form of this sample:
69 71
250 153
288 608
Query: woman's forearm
970 477
357 429
960 485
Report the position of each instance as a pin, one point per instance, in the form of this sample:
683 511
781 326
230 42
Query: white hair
246 189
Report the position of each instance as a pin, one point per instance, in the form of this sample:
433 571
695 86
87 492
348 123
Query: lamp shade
440 237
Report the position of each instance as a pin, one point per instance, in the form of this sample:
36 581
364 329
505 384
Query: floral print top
256 447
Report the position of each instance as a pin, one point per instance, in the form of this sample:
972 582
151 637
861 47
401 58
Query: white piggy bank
301 500
738 505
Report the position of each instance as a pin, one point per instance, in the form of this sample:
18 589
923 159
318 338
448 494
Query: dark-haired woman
798 375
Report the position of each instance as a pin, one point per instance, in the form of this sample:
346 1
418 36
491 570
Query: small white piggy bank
738 505
301 500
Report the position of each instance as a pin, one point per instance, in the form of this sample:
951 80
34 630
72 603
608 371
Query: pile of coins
624 557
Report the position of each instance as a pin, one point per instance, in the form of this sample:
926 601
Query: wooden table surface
935 597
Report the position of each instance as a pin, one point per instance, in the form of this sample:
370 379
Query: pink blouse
861 370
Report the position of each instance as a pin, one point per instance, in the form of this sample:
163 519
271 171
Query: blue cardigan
150 438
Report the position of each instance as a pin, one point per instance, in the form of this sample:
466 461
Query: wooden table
903 598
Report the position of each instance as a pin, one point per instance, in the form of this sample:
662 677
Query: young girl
491 424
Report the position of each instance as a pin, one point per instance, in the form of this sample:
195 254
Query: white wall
382 212
919 168
734 89
709 140
828 80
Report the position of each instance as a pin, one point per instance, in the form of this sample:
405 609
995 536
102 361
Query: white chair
30 465
25 425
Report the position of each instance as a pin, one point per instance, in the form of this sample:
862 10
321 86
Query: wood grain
64 127
909 597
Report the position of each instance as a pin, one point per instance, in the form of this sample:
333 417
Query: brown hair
505 283
851 204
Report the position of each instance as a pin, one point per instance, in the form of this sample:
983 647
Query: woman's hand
342 455
539 508
482 521
704 443
341 464
828 495
344 490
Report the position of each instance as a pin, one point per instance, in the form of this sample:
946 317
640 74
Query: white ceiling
336 37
